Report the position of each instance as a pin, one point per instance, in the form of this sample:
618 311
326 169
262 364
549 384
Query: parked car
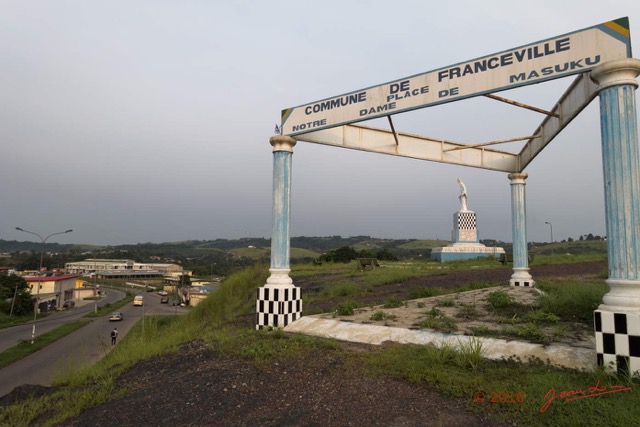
68 304
164 300
116 317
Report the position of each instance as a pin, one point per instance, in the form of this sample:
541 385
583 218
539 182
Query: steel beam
357 137
581 92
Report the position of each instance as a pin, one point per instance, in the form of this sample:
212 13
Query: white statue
463 195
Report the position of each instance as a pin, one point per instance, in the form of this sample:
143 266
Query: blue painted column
620 164
279 302
617 320
520 276
282 154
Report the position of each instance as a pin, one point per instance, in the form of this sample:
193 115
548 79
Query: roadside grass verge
159 334
7 321
25 348
80 386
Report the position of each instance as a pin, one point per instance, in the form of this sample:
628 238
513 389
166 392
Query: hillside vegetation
222 327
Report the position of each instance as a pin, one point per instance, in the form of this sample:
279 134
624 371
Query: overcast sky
149 121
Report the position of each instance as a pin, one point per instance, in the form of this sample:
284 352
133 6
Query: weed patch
572 300
446 302
438 321
346 308
529 332
393 303
468 312
381 315
499 299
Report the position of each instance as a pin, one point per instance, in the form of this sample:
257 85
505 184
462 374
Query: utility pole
39 283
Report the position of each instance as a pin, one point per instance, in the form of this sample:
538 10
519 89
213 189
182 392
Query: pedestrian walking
114 335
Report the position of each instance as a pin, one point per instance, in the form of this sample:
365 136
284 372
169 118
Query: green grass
345 308
341 289
7 321
446 302
572 299
569 255
393 303
438 321
499 299
381 315
577 249
25 348
386 276
462 374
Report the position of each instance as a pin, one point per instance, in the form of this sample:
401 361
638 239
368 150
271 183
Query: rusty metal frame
357 137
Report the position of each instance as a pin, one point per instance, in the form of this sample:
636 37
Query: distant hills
301 247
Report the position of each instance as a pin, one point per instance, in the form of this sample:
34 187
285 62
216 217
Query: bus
137 300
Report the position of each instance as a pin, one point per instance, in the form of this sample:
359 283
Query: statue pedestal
466 244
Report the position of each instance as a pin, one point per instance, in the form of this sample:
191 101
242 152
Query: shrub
499 299
540 316
393 303
381 315
529 332
446 302
467 312
346 308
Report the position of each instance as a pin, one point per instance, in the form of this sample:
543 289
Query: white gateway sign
572 53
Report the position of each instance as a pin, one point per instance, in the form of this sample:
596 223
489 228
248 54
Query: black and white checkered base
465 220
618 341
278 306
525 283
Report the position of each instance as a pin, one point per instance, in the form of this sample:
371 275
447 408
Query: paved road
88 344
10 337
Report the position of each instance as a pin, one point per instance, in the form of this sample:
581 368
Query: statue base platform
462 251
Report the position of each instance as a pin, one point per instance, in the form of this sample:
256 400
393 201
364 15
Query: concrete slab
560 355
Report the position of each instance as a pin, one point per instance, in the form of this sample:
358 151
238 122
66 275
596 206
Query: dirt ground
199 387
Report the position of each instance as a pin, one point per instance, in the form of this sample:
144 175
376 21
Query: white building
51 291
121 267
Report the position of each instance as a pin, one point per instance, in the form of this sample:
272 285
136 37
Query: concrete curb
495 349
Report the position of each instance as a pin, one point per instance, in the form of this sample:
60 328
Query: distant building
51 291
123 268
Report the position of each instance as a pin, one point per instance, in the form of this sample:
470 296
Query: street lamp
35 305
551 227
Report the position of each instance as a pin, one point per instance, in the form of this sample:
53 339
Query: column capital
518 178
615 73
282 143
